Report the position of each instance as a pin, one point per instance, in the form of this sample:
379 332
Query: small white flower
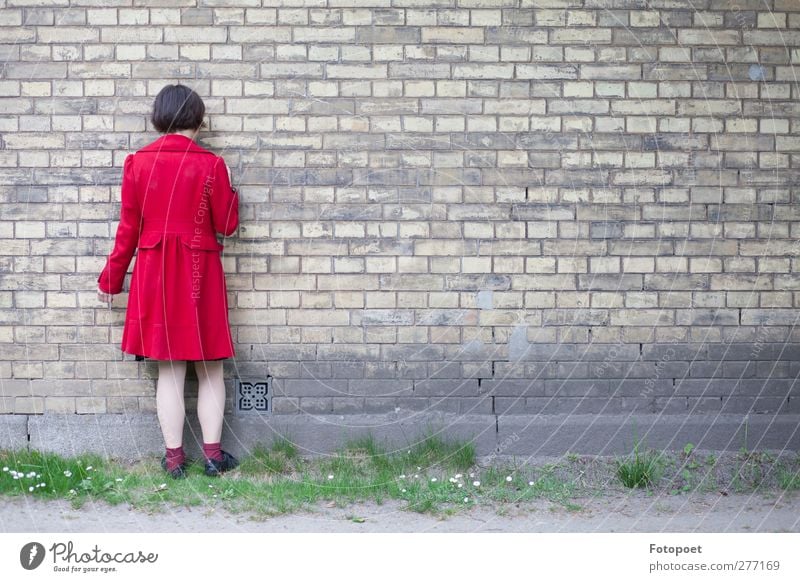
472 474
466 499
419 468
43 484
16 477
30 488
458 475
72 492
330 476
476 483
416 475
214 495
403 476
67 473
118 479
38 475
89 468
403 490
508 478
210 486
433 479
530 483
460 485
5 469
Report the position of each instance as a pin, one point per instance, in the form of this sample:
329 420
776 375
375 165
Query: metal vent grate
254 395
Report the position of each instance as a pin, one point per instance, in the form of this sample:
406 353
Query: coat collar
175 142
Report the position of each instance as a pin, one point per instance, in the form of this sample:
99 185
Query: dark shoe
178 472
216 468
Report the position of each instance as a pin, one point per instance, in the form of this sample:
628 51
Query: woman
176 196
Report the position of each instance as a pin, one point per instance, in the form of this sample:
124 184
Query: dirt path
634 512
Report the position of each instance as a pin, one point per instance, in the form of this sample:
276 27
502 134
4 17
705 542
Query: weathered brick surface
478 207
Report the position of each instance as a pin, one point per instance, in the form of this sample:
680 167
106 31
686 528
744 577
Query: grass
641 470
788 480
432 475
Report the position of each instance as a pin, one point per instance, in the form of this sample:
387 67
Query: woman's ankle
212 451
175 457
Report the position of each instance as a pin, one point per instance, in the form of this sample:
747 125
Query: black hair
177 107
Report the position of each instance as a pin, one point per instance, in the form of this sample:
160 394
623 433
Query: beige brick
708 37
581 35
28 405
67 34
6 405
357 71
741 125
60 404
122 405
136 34
92 405
645 18
456 35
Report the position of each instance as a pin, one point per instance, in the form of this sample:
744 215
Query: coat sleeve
113 274
224 200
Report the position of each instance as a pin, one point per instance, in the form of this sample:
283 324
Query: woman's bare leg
210 399
169 401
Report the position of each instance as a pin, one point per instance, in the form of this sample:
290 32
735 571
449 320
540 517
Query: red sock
175 457
212 451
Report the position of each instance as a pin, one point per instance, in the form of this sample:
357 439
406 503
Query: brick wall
476 206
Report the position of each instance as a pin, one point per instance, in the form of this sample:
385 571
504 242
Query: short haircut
177 107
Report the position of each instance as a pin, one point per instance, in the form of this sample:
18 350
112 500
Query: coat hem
142 358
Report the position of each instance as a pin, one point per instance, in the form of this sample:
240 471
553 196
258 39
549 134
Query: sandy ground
630 512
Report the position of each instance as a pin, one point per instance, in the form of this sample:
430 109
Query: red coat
175 196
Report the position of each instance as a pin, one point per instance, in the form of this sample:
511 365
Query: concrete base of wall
13 431
129 437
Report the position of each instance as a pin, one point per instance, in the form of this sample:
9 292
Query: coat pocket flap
149 239
201 243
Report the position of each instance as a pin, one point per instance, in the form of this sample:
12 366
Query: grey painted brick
670 352
702 387
316 405
456 387
755 405
381 387
765 387
379 405
588 388
308 387
648 388
513 387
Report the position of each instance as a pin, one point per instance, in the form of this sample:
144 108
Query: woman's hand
104 297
